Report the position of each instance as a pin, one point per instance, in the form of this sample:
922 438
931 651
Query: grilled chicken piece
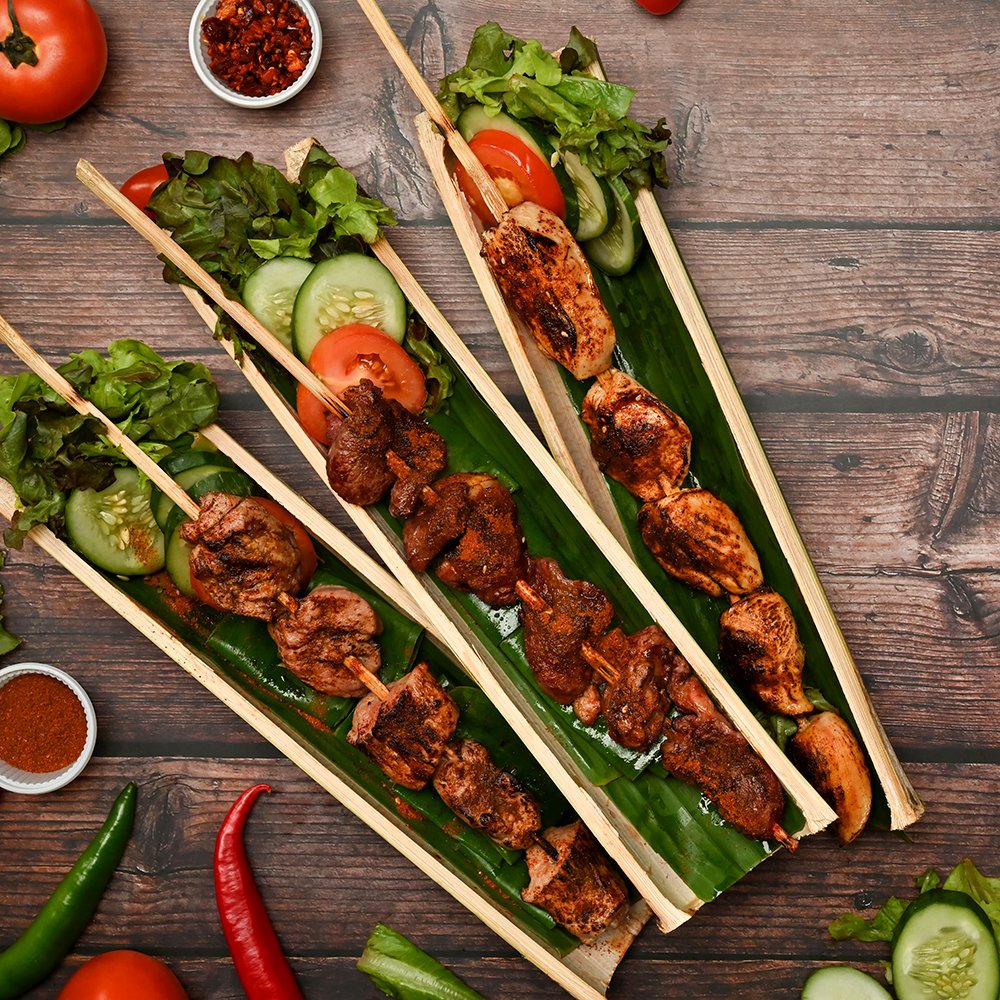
318 632
468 524
829 755
559 615
695 537
761 641
578 886
381 445
486 797
634 437
546 280
634 703
407 733
587 706
243 556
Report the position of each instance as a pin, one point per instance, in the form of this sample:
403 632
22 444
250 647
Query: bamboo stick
584 973
491 195
164 244
120 440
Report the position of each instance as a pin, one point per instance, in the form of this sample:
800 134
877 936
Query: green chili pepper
62 919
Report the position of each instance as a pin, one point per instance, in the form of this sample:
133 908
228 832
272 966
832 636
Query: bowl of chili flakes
255 53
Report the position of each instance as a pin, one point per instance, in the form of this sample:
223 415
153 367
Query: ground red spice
42 724
257 47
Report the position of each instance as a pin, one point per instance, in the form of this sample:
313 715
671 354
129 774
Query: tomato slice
351 353
140 187
520 174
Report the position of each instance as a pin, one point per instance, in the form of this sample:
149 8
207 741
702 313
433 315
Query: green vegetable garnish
586 115
401 970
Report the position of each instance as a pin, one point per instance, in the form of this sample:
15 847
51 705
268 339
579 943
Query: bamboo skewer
162 242
120 440
366 677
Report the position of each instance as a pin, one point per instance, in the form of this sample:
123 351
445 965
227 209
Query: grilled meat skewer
243 557
467 526
577 886
547 281
695 537
634 437
760 639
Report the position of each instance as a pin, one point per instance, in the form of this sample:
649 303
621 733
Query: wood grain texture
835 197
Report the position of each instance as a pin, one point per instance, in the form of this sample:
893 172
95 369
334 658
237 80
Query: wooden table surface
835 193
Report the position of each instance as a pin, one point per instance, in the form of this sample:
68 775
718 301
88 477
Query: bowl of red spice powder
255 53
47 728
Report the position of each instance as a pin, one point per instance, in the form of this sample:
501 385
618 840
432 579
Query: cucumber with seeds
270 293
841 982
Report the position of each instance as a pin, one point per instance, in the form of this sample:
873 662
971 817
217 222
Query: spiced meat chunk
316 635
486 797
575 882
467 527
761 641
558 615
243 557
546 280
406 734
697 538
418 456
634 437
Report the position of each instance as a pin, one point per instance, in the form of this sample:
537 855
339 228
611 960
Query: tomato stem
17 46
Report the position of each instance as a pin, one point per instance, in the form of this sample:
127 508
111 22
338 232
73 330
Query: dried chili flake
42 724
257 47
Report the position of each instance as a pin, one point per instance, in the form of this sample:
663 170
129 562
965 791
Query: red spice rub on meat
317 633
407 733
486 797
578 886
243 557
468 523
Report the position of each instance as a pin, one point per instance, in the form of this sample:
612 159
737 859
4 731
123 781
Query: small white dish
13 779
199 58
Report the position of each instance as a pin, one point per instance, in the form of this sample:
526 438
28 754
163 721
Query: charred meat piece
587 706
407 733
695 537
318 632
486 797
707 752
559 615
577 886
546 280
243 556
634 437
468 523
381 445
634 702
761 641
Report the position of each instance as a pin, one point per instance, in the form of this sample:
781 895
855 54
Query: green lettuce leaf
8 641
880 928
578 112
984 890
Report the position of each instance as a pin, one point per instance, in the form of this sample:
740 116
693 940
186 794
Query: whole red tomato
659 6
123 975
52 59
139 187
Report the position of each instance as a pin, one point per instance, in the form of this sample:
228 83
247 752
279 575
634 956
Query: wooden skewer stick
366 677
164 244
495 203
532 598
120 440
601 664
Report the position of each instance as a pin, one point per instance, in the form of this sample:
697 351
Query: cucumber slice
179 563
618 247
270 293
596 203
351 288
114 528
178 461
944 948
841 982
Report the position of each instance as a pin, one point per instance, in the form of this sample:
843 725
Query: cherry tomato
70 55
520 173
123 975
302 538
140 187
347 355
658 6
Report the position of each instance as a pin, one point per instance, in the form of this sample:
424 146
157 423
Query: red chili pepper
260 963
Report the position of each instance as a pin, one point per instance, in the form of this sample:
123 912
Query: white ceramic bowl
27 782
199 57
